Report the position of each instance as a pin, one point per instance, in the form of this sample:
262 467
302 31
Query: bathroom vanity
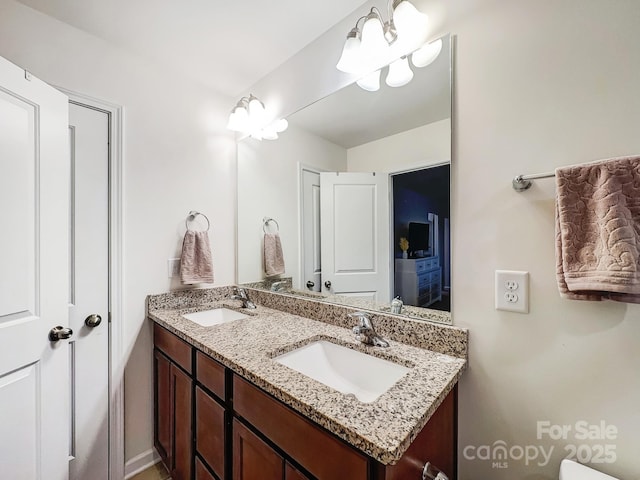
226 409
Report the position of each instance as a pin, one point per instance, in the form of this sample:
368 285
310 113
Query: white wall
418 147
178 157
537 85
268 178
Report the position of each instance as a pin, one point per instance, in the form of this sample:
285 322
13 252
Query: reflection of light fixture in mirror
382 43
399 73
426 54
249 117
370 82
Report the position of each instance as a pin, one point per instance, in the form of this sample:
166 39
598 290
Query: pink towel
598 230
273 256
196 265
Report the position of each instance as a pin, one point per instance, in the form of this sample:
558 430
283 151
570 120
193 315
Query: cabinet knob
327 284
310 284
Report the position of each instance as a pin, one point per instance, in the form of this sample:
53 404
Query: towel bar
521 183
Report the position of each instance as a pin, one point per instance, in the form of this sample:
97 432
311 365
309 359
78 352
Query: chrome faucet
241 294
365 332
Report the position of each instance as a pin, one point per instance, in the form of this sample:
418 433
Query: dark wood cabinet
436 443
290 473
173 405
300 438
201 471
253 458
239 432
210 431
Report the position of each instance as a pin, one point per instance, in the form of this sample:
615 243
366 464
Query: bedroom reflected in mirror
421 236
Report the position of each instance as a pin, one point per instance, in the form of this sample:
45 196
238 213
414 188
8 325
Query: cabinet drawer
211 374
178 350
297 436
431 262
210 439
421 265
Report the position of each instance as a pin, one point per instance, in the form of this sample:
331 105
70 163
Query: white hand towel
196 264
273 256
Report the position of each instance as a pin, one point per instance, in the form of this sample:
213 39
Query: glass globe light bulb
399 73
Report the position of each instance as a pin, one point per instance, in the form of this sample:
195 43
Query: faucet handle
364 322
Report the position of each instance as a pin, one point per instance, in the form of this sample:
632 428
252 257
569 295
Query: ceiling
226 45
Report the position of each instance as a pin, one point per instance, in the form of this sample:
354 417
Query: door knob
310 284
59 333
93 320
327 284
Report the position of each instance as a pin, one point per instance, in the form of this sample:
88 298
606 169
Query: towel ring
192 215
265 222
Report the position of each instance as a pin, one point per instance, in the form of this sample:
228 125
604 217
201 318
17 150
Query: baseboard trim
140 462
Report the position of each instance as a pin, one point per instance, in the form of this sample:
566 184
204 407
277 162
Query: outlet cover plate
512 291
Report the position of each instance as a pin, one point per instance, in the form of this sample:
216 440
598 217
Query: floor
156 472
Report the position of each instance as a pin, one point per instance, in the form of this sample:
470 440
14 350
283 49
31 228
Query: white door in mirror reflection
311 250
354 217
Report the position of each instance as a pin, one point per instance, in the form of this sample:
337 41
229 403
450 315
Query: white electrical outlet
512 291
173 267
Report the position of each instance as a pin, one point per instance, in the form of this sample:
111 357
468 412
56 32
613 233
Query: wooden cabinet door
181 397
252 458
436 443
210 438
201 471
290 473
163 418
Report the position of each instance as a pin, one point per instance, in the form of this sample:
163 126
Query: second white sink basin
208 318
346 370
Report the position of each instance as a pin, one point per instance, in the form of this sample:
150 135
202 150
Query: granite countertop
383 429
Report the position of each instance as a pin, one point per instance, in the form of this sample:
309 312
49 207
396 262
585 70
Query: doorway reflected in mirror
421 237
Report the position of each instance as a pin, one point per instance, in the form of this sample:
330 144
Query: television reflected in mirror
419 240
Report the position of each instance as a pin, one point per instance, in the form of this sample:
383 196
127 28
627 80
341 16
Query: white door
34 277
89 309
310 252
355 234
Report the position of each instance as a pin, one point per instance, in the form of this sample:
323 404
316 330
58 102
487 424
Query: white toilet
570 470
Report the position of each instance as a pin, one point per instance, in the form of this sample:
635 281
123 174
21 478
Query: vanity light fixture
380 43
250 117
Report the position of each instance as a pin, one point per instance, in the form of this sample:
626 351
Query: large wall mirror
358 191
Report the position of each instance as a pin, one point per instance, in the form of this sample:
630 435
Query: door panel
34 277
18 403
253 458
17 190
311 256
355 234
89 143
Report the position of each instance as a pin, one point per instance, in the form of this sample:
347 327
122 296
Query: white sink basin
207 318
344 369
